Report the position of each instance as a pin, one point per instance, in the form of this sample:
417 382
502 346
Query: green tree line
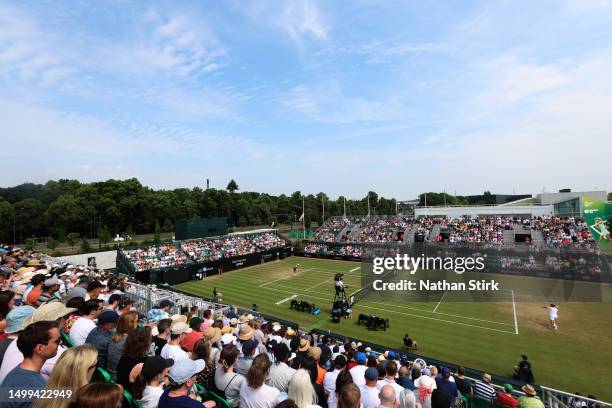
68 209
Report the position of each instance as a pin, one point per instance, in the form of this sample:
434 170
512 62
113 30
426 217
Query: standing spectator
344 378
127 322
310 365
463 384
226 380
404 378
369 391
148 385
182 378
84 324
523 371
425 386
280 373
483 389
173 349
94 289
73 370
390 373
38 342
349 397
254 393
137 344
359 370
407 399
448 387
99 395
163 334
329 382
505 399
301 390
530 399
102 334
388 397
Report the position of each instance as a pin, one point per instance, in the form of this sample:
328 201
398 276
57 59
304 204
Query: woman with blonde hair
73 370
301 390
128 321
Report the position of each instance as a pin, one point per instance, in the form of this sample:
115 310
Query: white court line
280 279
436 308
318 284
402 313
515 318
355 269
286 299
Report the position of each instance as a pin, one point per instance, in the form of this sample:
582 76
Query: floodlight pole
303 217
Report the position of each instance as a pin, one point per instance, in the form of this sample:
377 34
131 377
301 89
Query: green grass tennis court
489 336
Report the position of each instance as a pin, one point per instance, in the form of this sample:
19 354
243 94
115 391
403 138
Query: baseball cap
391 355
248 346
184 369
166 303
361 358
195 322
75 292
108 316
371 374
16 317
155 365
508 387
445 372
48 312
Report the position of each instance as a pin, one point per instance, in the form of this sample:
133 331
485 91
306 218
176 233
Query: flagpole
323 201
304 218
368 204
344 207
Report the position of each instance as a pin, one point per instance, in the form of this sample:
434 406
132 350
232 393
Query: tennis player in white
553 314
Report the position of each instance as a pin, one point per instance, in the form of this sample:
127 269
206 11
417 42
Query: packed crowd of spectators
154 257
328 232
328 249
488 230
205 250
518 263
568 232
568 264
383 229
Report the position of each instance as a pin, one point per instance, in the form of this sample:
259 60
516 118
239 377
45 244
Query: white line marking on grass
436 308
286 299
318 284
355 269
514 311
280 279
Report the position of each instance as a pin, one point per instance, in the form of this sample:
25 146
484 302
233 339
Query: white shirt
398 388
369 397
150 396
280 375
173 351
262 397
329 383
552 313
13 357
80 330
358 374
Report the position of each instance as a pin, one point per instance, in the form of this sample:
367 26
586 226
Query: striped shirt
484 390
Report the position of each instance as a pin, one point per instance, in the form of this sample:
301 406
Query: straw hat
243 319
246 333
304 345
48 311
227 329
529 390
212 334
178 318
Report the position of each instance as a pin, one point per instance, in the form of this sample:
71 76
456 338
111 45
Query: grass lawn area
490 336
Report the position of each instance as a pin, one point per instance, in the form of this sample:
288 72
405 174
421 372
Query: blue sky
340 97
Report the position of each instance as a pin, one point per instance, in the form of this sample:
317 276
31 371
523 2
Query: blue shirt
20 378
447 387
165 401
406 383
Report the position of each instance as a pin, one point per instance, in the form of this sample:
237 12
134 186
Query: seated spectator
342 380
301 390
77 303
404 378
127 322
329 382
310 365
505 399
37 343
254 393
249 349
463 384
280 372
54 311
182 378
102 334
86 323
194 335
163 335
147 387
349 397
157 313
226 380
483 389
94 289
448 387
73 370
359 370
202 351
407 399
530 399
172 349
99 395
137 345
49 289
369 391
34 289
